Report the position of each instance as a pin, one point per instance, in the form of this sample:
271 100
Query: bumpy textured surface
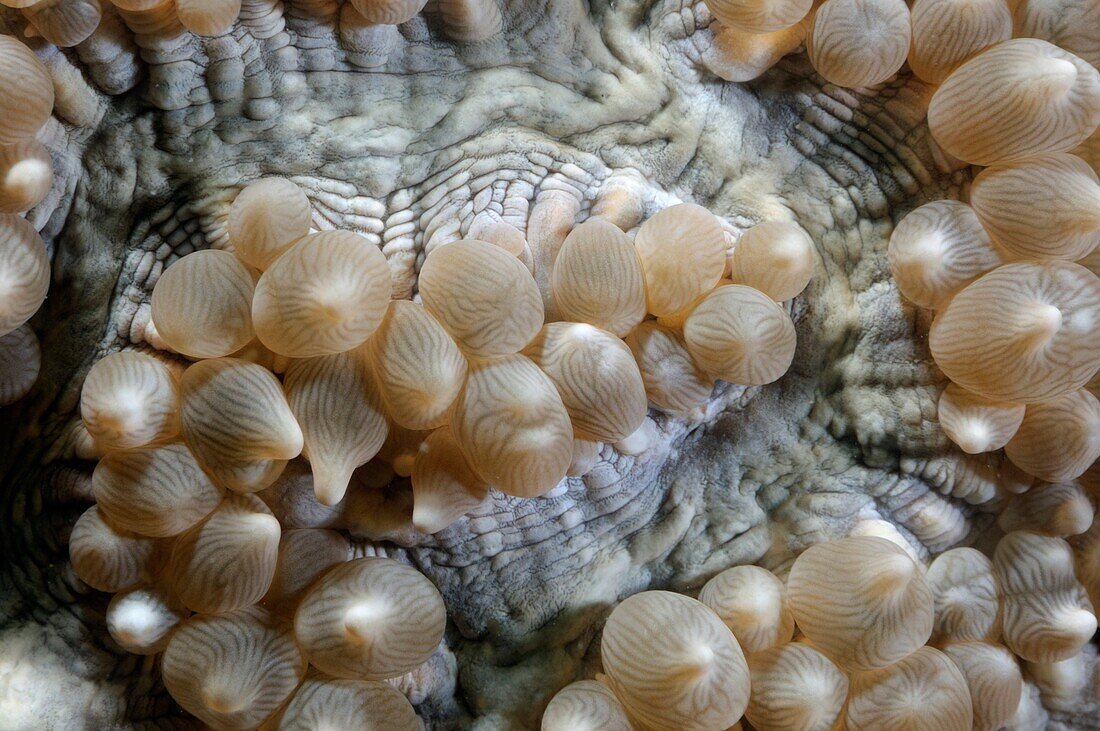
572 107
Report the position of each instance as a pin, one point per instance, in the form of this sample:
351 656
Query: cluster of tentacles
485 382
513 365
1015 315
26 174
859 636
1015 331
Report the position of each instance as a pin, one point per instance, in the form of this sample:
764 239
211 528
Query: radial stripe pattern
993 679
923 692
130 399
673 664
65 23
795 688
349 704
598 278
862 601
202 304
938 249
856 43
156 491
419 368
325 295
1047 614
759 16
1023 333
753 604
948 32
336 401
26 97
266 218
1068 24
370 619
1020 98
966 596
235 417
775 257
1044 207
108 558
232 671
483 296
672 380
24 269
1058 439
975 423
444 485
1062 509
585 705
227 561
740 335
683 253
596 377
304 555
1086 551
512 426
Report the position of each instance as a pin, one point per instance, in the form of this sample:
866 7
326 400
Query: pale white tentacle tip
26 174
642 440
142 619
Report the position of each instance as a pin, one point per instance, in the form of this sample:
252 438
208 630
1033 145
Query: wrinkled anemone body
584 366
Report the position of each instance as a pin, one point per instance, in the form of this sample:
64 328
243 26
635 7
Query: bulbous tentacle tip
1079 624
893 574
973 438
1053 77
361 621
427 520
330 482
694 665
923 253
288 442
126 414
262 523
434 513
640 441
1039 325
26 176
1073 519
334 308
403 464
223 700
